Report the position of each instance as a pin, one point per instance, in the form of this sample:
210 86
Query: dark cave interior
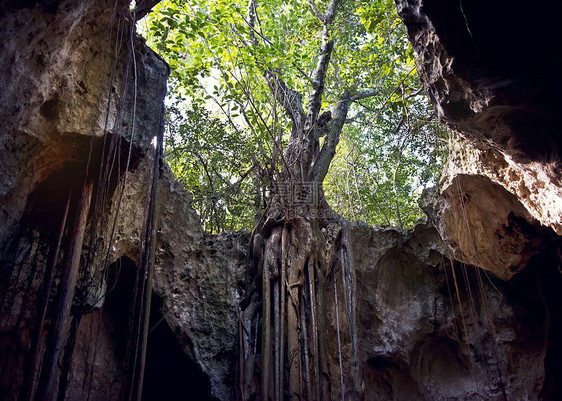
169 371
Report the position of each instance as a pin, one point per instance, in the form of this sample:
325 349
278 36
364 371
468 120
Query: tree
216 60
293 74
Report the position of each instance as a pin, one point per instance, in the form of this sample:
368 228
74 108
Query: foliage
218 57
394 146
378 176
216 167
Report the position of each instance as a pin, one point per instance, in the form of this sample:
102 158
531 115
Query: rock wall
418 342
79 94
494 84
498 205
69 89
489 78
199 277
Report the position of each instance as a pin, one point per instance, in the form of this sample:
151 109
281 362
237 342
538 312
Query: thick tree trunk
287 301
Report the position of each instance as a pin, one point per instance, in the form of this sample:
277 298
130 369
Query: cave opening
118 301
38 243
170 374
30 241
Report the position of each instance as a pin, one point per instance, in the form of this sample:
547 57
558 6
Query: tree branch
319 74
252 20
331 12
322 162
315 11
290 99
328 17
365 94
254 31
304 74
319 78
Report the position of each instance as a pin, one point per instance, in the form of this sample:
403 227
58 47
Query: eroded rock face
417 343
504 103
201 298
501 186
488 77
536 185
485 225
426 327
67 98
58 74
198 277
491 209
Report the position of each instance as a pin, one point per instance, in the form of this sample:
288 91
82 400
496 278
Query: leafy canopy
226 132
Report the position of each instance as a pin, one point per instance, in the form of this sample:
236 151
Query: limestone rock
414 324
536 186
199 278
491 208
66 94
201 295
503 175
57 68
485 225
412 342
490 79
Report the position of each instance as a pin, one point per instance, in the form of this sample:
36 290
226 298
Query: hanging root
339 339
349 288
286 300
312 267
270 273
